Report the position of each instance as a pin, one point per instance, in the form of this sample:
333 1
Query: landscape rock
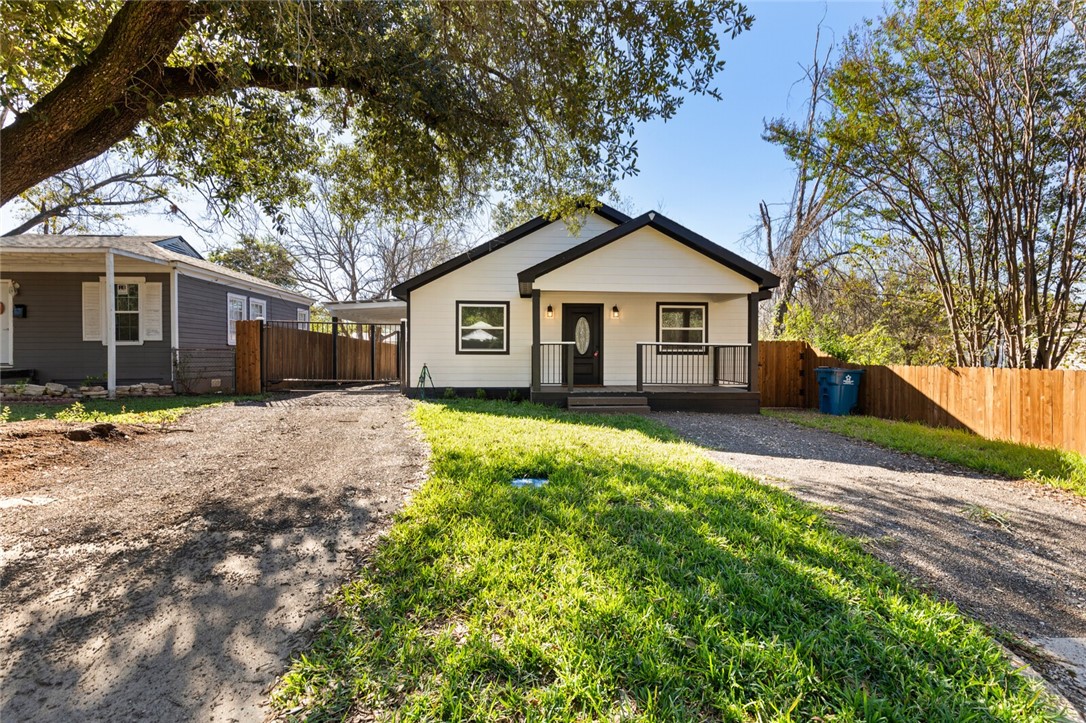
55 389
79 435
33 390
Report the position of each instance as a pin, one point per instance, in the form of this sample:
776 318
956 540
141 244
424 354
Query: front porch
594 359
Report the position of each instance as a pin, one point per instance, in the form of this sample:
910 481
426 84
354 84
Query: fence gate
271 353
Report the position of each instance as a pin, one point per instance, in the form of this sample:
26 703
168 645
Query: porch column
535 341
752 337
110 328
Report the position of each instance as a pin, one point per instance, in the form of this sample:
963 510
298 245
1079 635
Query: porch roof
765 279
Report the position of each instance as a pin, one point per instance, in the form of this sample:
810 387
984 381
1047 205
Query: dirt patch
170 576
42 444
1010 553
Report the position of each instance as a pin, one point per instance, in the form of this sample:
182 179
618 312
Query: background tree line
938 212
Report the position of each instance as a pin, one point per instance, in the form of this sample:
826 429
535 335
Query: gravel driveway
1011 553
170 577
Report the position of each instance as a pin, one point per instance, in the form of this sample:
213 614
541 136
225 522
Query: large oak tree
423 100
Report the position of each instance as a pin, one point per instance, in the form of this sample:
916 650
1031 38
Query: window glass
235 312
682 325
482 327
126 298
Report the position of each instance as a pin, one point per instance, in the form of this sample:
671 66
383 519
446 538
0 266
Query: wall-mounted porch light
614 312
550 311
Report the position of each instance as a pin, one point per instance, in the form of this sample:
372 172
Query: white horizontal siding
646 261
492 277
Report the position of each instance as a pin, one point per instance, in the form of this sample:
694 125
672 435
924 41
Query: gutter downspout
110 328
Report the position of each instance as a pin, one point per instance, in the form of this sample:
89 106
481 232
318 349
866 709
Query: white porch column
174 322
109 329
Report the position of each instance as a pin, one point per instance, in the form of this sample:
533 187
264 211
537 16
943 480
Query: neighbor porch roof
149 249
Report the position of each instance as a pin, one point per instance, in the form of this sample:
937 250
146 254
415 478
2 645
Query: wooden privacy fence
273 352
1032 406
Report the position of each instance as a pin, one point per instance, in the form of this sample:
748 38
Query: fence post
640 368
716 365
262 359
248 357
373 352
335 347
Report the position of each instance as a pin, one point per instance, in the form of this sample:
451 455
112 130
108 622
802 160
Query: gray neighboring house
58 323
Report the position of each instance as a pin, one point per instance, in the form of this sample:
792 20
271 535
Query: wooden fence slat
1032 406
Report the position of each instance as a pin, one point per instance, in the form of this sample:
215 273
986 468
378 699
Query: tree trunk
99 103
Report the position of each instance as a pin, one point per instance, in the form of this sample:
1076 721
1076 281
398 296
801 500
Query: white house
640 312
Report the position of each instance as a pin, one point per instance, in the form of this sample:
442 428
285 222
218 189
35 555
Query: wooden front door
583 325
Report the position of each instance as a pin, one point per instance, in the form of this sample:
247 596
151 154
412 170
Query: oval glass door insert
581 335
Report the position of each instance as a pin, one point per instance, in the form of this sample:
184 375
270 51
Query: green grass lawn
131 410
1055 467
644 582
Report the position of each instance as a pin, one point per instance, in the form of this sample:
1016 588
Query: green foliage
963 125
5 414
870 346
1054 467
135 410
450 393
877 307
643 582
264 258
480 393
420 104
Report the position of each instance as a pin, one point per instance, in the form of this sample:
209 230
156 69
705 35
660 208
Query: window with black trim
482 327
683 324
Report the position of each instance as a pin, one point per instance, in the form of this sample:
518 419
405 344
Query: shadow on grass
532 410
642 581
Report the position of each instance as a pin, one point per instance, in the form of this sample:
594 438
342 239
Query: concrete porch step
576 400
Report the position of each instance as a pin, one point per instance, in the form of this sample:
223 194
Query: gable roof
400 291
155 249
765 279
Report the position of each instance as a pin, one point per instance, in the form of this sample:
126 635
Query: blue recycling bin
838 389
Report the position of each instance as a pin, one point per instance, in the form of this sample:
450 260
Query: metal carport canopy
384 311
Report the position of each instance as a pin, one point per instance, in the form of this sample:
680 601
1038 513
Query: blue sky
708 167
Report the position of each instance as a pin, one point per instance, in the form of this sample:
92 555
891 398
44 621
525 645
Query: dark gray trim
400 291
535 341
657 221
752 338
705 338
456 320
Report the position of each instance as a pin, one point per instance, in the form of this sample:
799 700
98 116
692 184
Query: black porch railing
693 364
553 364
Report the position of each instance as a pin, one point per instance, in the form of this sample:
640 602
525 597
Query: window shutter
151 312
92 311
